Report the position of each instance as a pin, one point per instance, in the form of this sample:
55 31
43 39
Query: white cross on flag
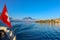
4 17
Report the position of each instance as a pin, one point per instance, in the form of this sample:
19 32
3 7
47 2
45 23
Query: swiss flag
4 17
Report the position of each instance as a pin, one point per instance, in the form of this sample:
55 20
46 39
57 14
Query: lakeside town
49 21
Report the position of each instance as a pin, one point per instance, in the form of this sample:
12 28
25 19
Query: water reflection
51 24
57 24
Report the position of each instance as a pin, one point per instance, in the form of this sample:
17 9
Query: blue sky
37 9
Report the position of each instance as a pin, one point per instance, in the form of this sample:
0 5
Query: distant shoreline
48 21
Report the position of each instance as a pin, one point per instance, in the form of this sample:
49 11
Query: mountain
28 19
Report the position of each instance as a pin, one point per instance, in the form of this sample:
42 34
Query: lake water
37 31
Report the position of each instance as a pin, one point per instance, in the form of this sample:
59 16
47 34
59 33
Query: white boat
6 33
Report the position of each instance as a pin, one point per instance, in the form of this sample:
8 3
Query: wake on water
34 31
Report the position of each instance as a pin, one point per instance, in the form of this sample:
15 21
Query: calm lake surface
37 31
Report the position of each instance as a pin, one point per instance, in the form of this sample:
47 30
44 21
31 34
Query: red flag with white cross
4 17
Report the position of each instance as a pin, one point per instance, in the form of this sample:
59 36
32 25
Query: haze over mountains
30 19
23 19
